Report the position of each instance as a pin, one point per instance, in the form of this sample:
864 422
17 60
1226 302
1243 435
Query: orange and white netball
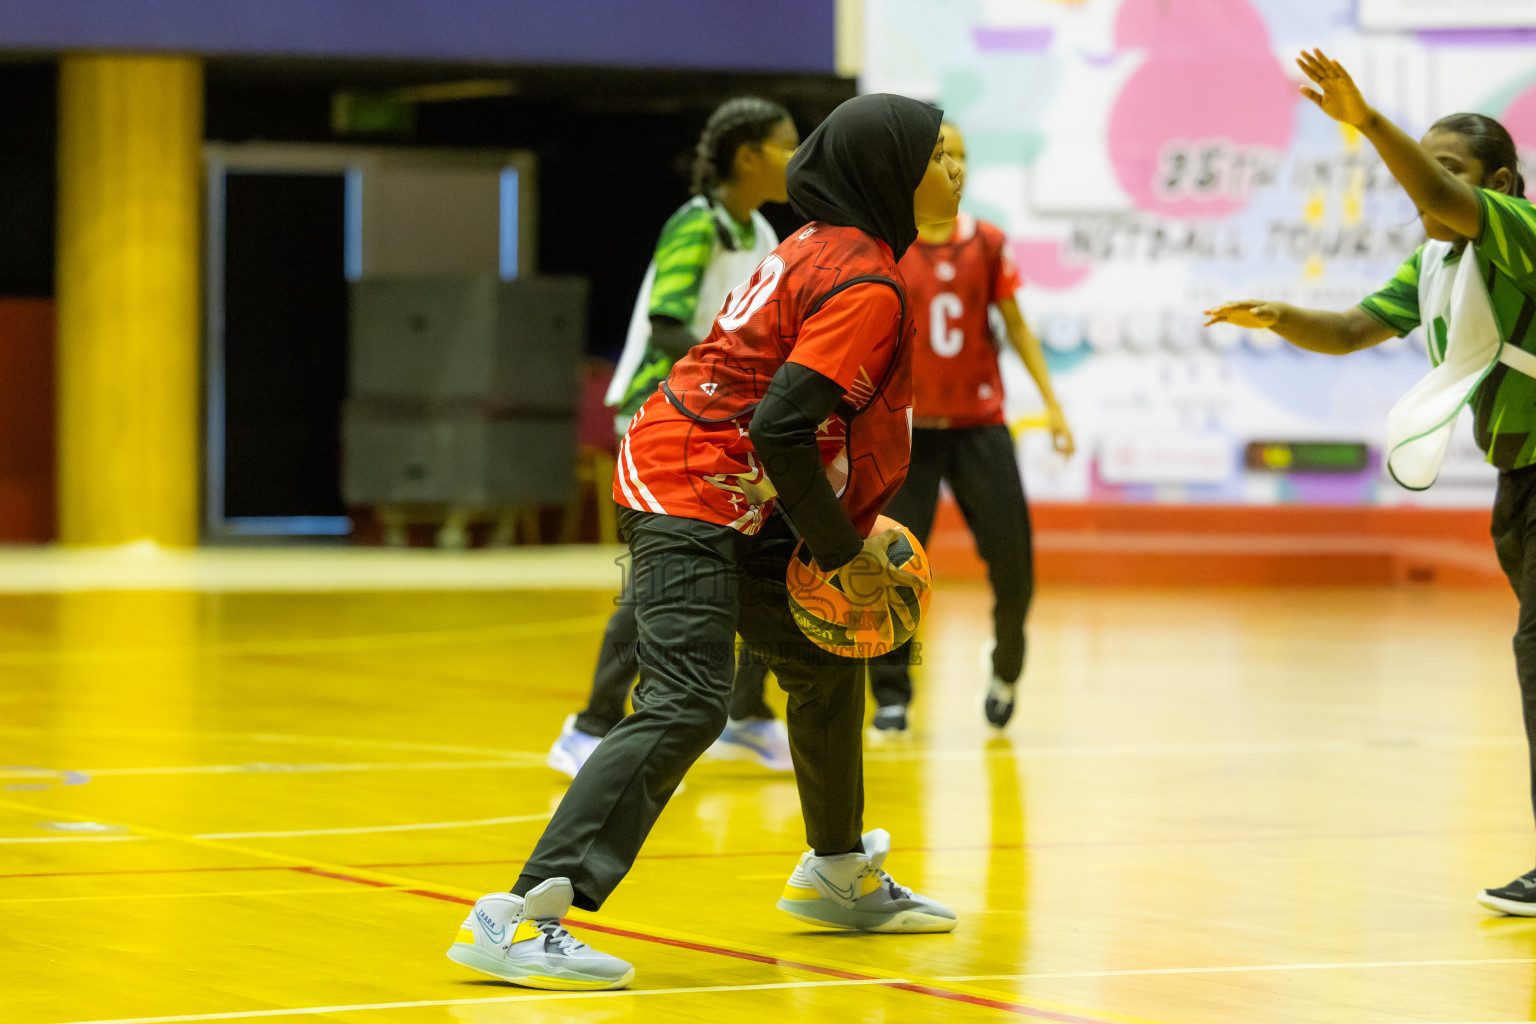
831 621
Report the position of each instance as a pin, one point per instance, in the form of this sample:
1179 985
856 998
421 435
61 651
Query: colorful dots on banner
1316 210
1111 331
1225 337
1185 332
1142 333
1104 331
1063 332
1264 341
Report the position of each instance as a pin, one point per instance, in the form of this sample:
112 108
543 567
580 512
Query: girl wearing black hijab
790 418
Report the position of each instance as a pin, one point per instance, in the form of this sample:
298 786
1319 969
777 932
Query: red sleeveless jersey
829 298
950 285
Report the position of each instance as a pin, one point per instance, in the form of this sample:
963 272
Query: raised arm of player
1027 346
1334 334
1431 186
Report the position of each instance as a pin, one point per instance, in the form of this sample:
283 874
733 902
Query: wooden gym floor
1214 807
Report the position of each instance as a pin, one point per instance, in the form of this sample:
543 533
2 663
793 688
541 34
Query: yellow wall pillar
130 136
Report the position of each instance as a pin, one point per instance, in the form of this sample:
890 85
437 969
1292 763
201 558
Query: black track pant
983 472
1514 537
617 666
694 586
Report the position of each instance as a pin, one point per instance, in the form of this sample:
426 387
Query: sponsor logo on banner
1165 459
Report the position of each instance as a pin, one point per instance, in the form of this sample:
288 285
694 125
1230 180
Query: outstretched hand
1339 97
1254 314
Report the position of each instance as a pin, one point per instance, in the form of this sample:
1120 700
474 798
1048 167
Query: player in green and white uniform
711 244
1504 405
699 259
1464 176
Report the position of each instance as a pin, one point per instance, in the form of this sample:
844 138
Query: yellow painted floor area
1213 807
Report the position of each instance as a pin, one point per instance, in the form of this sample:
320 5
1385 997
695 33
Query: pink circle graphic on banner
1520 118
1204 121
1040 263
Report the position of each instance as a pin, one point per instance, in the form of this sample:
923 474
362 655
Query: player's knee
709 722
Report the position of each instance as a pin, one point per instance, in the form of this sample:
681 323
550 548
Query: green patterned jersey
1505 403
689 241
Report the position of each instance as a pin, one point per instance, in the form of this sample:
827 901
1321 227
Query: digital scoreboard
1307 456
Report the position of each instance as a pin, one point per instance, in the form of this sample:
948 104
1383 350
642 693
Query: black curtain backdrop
285 344
29 104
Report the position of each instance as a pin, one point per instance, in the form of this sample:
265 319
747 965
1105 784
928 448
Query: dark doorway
285 354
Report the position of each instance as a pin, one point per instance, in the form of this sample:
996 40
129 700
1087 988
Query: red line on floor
831 972
996 1004
720 951
437 896
772 961
643 856
306 870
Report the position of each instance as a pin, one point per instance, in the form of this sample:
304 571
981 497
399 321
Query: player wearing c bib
954 276
1464 176
709 246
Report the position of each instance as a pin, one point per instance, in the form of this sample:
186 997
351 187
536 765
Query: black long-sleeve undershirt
783 431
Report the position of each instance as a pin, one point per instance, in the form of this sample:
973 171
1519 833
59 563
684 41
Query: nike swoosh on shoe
849 895
492 932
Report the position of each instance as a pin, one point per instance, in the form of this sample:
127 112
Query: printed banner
1151 158
1451 14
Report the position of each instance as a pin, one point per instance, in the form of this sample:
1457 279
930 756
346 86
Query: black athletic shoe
1517 898
891 718
999 703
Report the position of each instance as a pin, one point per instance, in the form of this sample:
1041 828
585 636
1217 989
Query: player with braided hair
711 244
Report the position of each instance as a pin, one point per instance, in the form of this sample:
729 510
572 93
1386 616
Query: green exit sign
372 113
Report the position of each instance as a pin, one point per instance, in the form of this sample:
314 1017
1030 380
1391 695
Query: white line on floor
421 826
295 833
279 768
1017 749
350 890
1400 744
257 570
69 839
316 645
1239 970
530 997
265 737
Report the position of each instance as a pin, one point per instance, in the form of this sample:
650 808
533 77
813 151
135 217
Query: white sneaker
764 740
571 748
521 940
853 891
